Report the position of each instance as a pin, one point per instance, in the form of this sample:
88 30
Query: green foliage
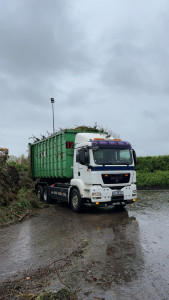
95 128
16 192
84 128
25 181
22 204
8 188
25 202
19 167
153 171
81 128
153 179
152 163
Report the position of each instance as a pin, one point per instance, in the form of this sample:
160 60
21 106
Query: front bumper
108 195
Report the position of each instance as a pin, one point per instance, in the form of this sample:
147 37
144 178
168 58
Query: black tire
46 195
76 201
39 192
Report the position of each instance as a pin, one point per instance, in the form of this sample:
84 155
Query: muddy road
102 254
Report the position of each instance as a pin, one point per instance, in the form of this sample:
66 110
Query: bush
8 187
153 171
153 179
19 167
153 163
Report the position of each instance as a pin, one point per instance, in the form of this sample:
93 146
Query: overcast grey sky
103 61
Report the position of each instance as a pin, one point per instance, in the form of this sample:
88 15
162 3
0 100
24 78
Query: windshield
112 156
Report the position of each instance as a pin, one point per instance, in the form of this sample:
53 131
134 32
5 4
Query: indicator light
96 194
98 139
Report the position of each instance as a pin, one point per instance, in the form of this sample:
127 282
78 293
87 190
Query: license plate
117 193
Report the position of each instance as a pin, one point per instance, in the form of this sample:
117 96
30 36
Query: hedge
153 163
153 171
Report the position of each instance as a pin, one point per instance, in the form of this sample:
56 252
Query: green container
53 156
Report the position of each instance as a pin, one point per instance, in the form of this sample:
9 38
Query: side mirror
82 156
135 157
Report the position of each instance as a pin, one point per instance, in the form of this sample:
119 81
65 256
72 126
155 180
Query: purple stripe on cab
112 144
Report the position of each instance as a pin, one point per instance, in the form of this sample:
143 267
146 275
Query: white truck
103 171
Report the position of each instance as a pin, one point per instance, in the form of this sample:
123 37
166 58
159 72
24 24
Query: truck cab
103 171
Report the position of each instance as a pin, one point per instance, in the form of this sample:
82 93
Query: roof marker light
98 139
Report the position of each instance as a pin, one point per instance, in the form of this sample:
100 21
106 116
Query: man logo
116 179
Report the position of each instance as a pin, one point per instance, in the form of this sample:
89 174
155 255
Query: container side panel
69 145
38 159
45 161
59 157
43 153
53 157
48 159
50 171
63 161
40 153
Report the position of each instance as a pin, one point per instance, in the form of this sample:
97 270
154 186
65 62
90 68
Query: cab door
82 158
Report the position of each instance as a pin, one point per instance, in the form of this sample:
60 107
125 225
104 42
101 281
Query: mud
101 254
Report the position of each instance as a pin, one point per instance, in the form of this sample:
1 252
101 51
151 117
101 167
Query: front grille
116 178
116 187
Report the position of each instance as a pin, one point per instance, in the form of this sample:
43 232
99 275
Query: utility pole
53 101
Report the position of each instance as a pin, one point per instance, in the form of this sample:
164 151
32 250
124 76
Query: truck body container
53 156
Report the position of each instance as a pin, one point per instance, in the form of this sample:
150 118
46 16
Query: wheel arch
74 187
80 186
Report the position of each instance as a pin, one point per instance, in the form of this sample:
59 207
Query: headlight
96 194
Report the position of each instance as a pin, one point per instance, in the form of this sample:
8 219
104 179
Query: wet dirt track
106 254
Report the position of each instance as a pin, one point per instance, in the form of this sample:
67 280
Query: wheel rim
39 194
45 196
75 201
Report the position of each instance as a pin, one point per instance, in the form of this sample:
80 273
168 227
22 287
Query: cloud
136 58
45 38
39 42
104 62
